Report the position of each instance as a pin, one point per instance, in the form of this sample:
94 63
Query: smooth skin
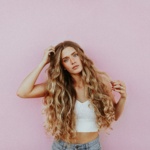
70 58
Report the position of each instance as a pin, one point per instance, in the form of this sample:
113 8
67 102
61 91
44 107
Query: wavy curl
59 102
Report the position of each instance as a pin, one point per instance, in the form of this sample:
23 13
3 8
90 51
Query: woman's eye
75 54
65 60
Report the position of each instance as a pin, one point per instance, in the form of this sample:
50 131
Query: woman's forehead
67 52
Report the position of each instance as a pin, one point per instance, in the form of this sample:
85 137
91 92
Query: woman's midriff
84 137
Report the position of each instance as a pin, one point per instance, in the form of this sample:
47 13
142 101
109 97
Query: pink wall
115 34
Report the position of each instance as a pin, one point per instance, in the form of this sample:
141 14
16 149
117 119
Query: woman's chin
76 71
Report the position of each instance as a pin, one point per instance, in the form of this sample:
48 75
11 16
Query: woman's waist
84 137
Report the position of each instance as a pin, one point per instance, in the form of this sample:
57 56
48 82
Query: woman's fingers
119 86
50 47
47 53
50 50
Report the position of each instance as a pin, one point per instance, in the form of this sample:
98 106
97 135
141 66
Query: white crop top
86 119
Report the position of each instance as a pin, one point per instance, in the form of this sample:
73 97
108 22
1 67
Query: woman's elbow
116 118
21 95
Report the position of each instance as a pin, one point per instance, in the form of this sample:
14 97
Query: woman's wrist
123 97
42 64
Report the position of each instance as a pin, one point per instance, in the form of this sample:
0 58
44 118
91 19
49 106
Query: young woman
77 97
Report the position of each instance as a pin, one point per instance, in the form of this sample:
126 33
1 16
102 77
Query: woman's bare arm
28 88
115 86
119 86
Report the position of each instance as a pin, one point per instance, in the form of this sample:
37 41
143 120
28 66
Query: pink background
114 34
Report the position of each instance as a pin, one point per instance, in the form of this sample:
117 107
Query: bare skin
84 137
28 88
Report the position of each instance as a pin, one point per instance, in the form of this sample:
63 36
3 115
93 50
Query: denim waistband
91 143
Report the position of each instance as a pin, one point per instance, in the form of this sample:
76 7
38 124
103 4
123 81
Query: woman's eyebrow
71 54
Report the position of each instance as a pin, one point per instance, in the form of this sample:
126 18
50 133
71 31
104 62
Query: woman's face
71 61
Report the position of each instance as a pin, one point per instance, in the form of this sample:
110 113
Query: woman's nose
72 60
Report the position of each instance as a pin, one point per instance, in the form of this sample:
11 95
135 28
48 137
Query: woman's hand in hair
49 51
119 86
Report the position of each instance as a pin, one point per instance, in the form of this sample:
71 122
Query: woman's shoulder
105 79
104 76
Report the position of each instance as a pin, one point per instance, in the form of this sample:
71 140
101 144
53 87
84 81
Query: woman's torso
83 137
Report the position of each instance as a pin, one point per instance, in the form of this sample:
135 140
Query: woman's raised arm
28 89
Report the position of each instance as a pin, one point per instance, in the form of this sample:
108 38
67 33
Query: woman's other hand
119 86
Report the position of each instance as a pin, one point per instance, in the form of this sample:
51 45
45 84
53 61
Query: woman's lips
75 67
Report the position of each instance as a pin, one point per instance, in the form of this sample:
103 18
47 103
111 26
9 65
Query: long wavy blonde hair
59 102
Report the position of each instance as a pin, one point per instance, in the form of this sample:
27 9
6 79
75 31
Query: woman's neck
79 85
78 81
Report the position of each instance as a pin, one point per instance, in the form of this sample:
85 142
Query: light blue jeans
92 145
